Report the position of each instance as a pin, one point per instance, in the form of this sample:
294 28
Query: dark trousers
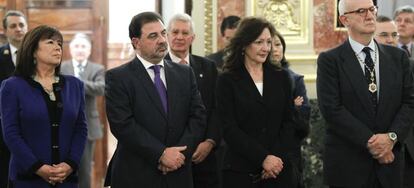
373 182
205 174
408 171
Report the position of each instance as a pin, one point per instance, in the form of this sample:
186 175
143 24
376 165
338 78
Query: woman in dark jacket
43 115
255 107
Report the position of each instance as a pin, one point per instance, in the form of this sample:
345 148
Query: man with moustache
155 112
180 34
15 27
365 93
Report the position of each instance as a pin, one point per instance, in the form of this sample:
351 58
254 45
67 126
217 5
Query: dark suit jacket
6 69
142 128
206 76
218 57
409 143
344 102
254 125
93 78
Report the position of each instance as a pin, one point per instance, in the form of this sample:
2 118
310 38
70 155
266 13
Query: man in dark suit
404 18
15 27
386 33
93 77
155 111
227 29
365 93
180 34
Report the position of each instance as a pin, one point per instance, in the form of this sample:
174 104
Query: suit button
55 125
264 130
59 105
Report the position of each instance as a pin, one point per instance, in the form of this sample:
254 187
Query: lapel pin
201 75
6 52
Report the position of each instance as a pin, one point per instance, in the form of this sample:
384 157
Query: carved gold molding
290 17
208 26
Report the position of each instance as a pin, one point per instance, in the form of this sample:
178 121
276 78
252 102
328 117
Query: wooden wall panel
63 19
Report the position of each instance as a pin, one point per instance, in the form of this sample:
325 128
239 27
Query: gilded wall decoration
208 26
290 17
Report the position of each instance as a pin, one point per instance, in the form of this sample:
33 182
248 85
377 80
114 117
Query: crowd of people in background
235 118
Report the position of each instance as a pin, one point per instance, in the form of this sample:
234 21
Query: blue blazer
27 128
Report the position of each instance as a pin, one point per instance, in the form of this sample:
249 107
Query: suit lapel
141 73
354 72
387 74
247 84
7 54
172 79
198 71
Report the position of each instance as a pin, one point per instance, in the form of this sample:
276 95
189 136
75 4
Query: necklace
49 92
372 87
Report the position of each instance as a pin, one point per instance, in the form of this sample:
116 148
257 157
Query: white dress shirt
357 47
76 67
150 71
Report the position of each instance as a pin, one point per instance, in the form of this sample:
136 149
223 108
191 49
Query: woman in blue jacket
42 113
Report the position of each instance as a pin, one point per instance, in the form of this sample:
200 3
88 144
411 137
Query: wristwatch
393 136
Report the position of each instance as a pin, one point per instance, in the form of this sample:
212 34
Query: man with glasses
386 32
365 95
404 18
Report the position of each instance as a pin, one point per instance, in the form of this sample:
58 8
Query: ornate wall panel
290 17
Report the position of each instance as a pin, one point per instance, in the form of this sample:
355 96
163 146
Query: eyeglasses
364 11
393 35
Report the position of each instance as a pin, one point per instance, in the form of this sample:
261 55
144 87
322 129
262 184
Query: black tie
405 48
370 77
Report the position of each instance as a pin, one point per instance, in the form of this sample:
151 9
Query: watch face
393 136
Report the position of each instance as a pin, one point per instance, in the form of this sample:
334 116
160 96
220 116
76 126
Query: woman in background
42 114
255 107
300 100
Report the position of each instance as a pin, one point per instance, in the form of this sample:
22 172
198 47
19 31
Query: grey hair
404 9
81 36
341 7
181 17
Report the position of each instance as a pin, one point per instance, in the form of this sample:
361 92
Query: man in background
180 35
386 32
15 27
227 29
93 77
404 18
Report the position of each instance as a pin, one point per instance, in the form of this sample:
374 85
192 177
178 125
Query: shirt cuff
211 141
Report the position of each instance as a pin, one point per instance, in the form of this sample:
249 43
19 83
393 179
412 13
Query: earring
34 61
242 53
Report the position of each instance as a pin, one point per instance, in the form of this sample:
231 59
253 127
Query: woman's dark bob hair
26 63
